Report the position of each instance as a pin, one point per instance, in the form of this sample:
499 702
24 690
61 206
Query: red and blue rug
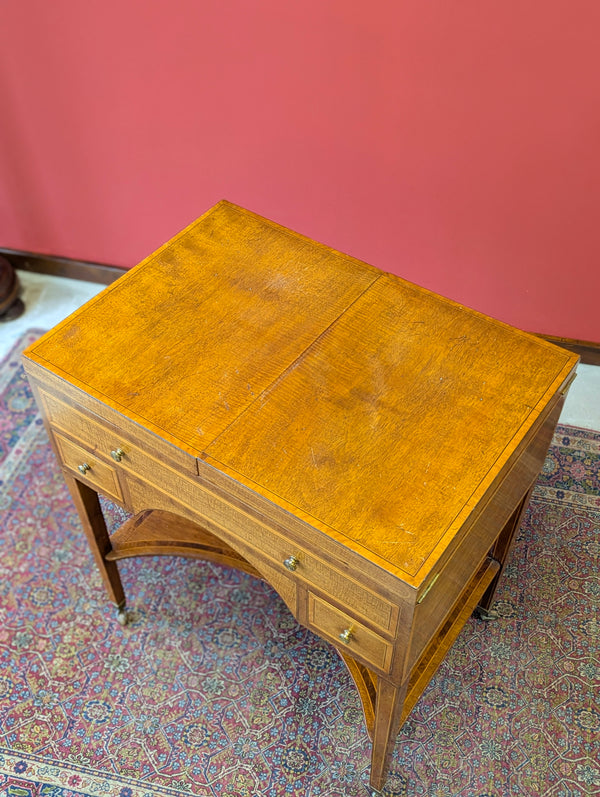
214 689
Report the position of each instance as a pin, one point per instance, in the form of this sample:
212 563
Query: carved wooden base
11 306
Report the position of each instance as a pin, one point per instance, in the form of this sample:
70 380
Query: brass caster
122 616
485 614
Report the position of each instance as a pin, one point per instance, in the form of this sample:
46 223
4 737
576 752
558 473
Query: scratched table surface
374 409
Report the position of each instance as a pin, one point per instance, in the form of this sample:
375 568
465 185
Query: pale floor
50 299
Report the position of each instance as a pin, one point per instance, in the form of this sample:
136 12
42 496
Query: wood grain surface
395 419
366 404
189 338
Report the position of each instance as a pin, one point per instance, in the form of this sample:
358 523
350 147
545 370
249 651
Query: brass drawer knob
346 635
117 454
84 467
291 562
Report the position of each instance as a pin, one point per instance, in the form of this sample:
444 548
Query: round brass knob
117 454
291 562
84 467
346 636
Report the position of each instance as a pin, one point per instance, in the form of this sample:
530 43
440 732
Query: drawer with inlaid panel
126 443
341 588
346 632
102 440
84 463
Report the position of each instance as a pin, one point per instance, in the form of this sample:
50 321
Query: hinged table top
371 408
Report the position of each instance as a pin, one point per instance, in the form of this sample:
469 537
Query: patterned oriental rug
215 690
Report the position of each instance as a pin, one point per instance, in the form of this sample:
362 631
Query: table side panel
485 525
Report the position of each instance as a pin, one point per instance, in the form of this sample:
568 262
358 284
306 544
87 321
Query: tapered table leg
90 513
388 711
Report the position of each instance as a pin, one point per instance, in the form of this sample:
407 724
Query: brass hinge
427 589
569 383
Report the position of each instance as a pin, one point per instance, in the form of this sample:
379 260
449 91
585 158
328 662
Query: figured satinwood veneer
366 446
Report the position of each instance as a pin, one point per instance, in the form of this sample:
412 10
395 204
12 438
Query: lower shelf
156 532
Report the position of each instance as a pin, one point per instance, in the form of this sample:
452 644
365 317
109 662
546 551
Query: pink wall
454 142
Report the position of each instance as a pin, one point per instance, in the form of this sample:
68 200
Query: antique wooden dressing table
261 400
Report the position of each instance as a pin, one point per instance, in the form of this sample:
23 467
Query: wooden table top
375 410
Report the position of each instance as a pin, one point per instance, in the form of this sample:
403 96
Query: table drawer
85 465
105 442
346 632
106 438
227 519
342 588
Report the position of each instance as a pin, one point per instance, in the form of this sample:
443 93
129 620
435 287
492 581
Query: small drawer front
109 441
348 634
343 589
85 464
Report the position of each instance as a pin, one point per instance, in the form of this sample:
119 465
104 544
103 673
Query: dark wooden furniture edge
11 305
62 266
586 349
